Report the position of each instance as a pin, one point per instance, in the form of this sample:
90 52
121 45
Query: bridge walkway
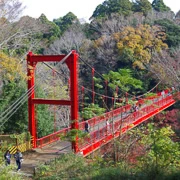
43 155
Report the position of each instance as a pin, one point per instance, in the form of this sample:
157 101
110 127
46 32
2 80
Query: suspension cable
11 107
104 79
54 70
16 105
121 90
19 102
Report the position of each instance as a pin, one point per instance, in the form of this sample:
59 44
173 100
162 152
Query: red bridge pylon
71 61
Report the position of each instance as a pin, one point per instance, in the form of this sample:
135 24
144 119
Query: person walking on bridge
19 158
86 127
107 127
163 94
7 157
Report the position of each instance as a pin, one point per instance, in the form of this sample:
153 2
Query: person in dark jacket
86 127
18 157
7 157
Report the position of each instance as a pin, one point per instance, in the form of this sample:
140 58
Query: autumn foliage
10 68
140 42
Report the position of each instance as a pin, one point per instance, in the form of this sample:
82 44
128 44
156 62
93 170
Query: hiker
132 108
86 127
19 158
7 157
136 108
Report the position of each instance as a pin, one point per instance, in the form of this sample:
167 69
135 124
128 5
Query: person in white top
19 158
163 94
107 126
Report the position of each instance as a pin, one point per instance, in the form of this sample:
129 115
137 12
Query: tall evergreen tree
100 11
15 120
112 6
54 31
172 32
142 6
120 6
159 5
66 21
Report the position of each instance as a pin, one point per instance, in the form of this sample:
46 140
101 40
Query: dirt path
41 156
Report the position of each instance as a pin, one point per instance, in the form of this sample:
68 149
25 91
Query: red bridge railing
121 120
121 124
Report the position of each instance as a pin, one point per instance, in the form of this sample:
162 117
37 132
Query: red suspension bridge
120 119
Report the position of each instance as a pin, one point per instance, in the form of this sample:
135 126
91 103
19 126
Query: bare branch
167 67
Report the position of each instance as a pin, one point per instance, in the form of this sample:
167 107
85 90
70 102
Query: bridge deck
120 119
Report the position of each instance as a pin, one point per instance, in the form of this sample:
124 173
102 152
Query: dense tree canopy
123 79
54 31
108 7
66 21
10 69
172 31
159 5
140 42
142 6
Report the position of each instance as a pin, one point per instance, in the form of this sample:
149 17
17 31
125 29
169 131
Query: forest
134 45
